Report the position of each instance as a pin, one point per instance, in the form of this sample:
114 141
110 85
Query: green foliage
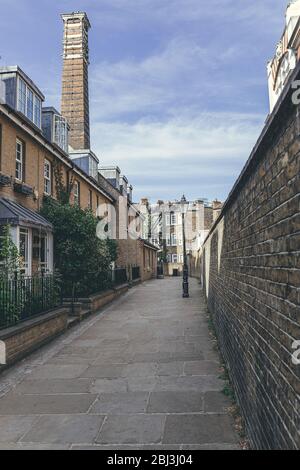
80 257
9 256
63 191
11 300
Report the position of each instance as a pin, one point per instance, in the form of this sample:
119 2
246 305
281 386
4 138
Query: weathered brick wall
251 276
28 336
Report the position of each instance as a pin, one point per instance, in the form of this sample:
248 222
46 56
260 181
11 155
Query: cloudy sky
178 88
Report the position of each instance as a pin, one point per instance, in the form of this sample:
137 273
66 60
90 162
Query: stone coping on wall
32 322
22 339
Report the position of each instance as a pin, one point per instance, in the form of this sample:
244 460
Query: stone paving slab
121 403
199 429
13 428
134 429
175 402
142 375
62 429
54 386
15 404
57 371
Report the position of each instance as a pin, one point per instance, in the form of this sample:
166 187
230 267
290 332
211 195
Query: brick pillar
75 87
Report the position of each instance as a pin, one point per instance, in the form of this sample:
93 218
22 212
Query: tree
81 258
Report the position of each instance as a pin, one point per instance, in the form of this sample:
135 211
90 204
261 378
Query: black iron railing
25 297
120 276
160 270
93 283
135 272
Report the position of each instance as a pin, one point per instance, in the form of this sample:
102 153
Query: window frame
47 178
28 102
174 258
20 161
173 218
76 193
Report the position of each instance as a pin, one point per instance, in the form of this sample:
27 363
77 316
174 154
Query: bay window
29 103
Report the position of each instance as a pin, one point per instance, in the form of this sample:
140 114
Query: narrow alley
142 374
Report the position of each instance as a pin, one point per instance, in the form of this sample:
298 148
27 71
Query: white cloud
122 13
206 150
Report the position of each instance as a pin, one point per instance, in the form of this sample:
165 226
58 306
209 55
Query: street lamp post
185 277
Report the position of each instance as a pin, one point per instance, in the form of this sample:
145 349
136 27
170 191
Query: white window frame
30 105
173 239
174 258
37 107
47 178
19 160
27 262
173 219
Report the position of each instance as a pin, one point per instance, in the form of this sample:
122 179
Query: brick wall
28 336
35 155
251 276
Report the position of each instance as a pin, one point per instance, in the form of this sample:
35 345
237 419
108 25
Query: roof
16 69
12 213
150 245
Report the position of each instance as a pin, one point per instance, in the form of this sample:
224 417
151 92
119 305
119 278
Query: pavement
141 374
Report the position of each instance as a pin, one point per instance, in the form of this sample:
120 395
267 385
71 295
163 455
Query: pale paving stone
59 371
199 429
14 404
214 446
120 403
32 446
109 385
152 330
62 429
216 402
175 402
108 447
104 371
142 384
140 370
53 386
170 368
188 383
12 428
132 429
202 368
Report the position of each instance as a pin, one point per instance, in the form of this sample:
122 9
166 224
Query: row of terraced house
41 151
36 140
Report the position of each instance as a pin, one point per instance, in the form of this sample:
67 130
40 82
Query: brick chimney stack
75 86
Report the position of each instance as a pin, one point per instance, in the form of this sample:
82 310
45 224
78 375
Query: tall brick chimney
75 86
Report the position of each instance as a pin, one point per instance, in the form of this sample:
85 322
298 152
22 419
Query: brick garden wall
25 337
251 277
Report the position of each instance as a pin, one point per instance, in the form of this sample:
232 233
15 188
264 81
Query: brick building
287 53
163 227
37 143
